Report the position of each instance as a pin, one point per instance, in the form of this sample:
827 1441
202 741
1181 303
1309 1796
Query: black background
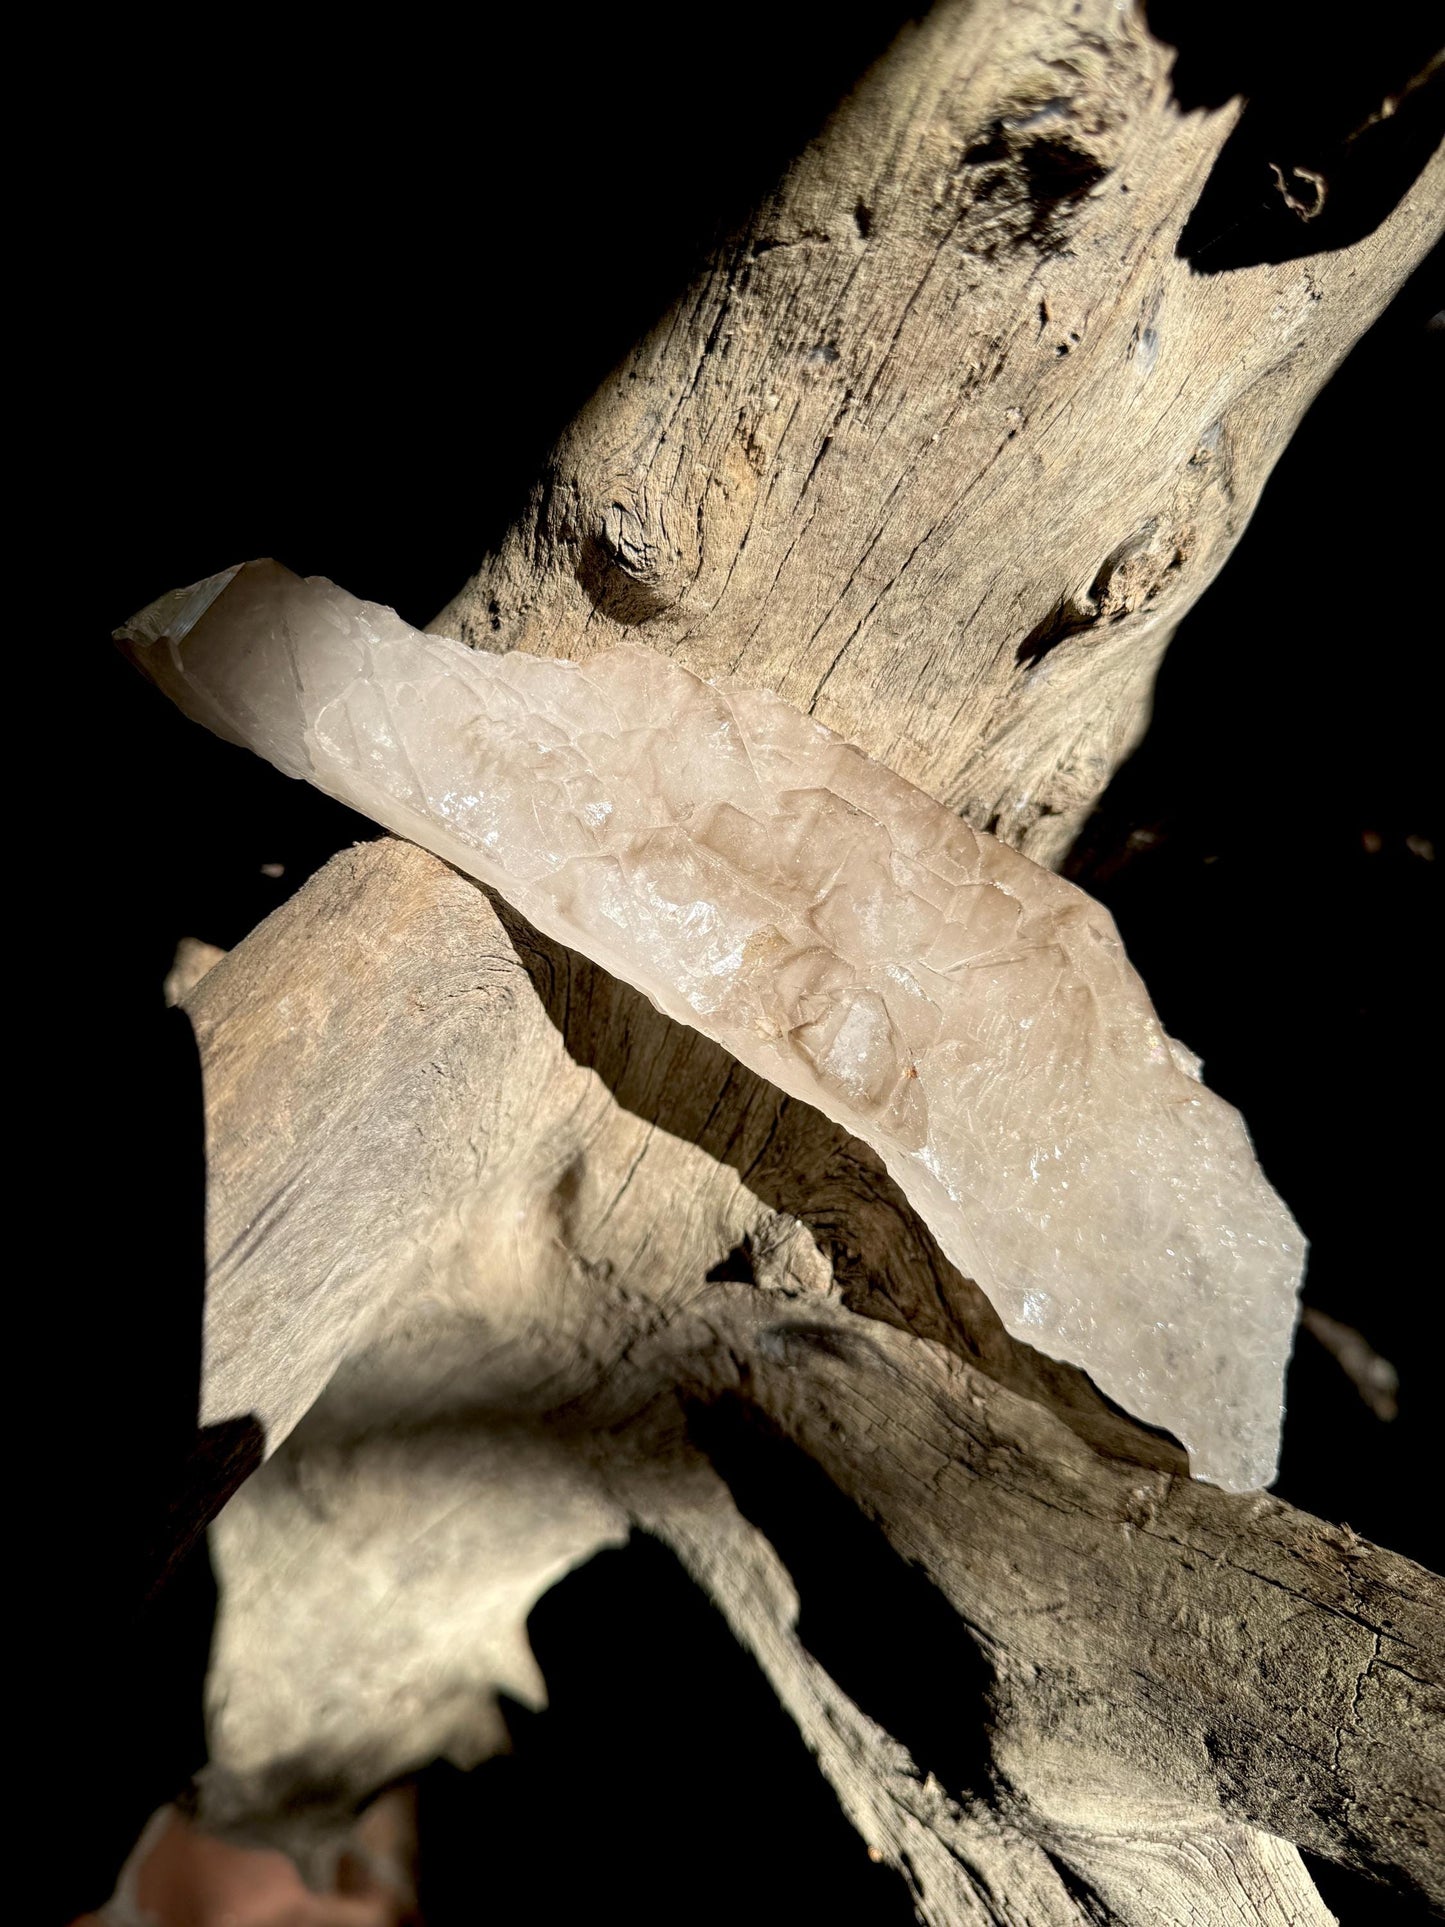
330 299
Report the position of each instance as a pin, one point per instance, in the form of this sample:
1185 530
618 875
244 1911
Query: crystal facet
969 1015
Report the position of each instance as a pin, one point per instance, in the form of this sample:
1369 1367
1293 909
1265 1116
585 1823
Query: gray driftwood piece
940 447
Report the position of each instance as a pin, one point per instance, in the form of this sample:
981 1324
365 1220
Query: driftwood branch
946 441
940 446
1152 1659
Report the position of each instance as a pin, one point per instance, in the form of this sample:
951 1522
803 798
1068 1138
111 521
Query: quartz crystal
969 1015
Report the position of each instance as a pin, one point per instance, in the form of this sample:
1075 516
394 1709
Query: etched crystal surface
969 1015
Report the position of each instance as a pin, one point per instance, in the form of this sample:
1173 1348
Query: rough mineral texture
969 1015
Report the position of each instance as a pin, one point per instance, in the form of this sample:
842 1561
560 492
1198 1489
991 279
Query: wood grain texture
940 446
1161 1660
943 444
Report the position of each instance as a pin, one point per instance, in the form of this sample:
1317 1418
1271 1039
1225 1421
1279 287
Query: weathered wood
940 446
1271 1665
946 440
967 1860
1162 1659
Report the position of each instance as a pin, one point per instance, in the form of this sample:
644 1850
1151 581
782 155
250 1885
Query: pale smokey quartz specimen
969 1015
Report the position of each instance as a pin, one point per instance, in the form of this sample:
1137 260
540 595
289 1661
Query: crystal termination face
969 1015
